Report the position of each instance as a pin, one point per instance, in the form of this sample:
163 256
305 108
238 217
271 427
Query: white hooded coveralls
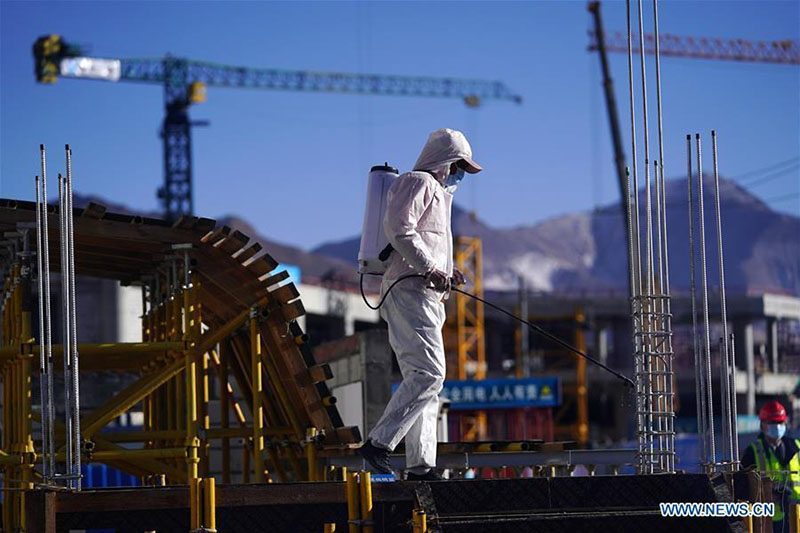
417 224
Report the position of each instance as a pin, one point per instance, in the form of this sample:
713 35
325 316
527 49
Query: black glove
438 279
458 278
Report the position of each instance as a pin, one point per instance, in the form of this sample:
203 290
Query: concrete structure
362 376
333 313
364 369
766 365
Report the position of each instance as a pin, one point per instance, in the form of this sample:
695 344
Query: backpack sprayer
375 251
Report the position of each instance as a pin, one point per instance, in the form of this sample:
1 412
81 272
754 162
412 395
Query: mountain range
586 252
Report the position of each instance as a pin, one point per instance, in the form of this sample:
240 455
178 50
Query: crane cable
538 329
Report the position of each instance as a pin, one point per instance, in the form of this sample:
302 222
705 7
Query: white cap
446 146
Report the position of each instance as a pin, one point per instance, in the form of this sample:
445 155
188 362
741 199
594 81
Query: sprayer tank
373 239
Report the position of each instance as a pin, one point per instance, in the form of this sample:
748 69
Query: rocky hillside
587 251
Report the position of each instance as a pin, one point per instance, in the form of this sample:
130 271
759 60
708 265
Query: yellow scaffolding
571 419
470 344
215 315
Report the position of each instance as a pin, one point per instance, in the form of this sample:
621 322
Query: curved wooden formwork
234 322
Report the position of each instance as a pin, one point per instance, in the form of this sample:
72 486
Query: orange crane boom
785 52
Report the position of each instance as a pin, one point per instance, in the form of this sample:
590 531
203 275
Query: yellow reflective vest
789 482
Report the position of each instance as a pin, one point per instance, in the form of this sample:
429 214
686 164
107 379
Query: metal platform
449 457
599 503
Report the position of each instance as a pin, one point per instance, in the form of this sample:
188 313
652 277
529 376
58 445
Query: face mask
776 431
451 182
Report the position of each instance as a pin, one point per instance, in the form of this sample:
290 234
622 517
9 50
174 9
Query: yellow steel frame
17 442
574 395
581 390
469 312
470 338
360 508
177 360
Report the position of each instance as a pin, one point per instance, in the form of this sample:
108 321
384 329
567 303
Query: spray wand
538 329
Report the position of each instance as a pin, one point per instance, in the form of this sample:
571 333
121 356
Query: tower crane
783 52
185 82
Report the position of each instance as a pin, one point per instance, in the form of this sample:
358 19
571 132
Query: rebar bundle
702 350
649 275
71 476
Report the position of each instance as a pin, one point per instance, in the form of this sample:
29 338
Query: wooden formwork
234 322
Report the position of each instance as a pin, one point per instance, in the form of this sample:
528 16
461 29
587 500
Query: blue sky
295 164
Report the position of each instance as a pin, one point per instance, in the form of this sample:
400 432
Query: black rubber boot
430 475
378 458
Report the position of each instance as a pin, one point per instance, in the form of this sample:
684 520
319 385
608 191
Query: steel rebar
42 343
735 414
659 324
730 397
649 325
704 278
700 385
65 327
646 133
631 272
641 421
636 230
662 252
668 322
727 445
50 412
76 404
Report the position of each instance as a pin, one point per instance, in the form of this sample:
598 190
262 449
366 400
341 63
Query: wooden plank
347 434
229 277
218 234
93 362
286 293
40 511
145 246
299 396
233 242
133 499
284 352
117 254
109 227
94 210
215 302
293 311
249 252
120 217
235 495
204 225
263 264
286 494
185 222
276 278
318 373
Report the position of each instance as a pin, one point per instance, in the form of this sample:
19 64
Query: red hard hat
772 412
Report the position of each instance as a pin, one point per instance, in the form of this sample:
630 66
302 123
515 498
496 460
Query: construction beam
212 337
129 397
99 357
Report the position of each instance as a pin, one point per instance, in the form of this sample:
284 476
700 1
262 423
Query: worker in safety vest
775 454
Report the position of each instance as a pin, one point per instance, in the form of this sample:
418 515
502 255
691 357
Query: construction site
199 367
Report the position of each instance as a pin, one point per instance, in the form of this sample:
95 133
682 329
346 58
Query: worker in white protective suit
417 225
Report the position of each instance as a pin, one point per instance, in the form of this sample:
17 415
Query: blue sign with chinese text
542 391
